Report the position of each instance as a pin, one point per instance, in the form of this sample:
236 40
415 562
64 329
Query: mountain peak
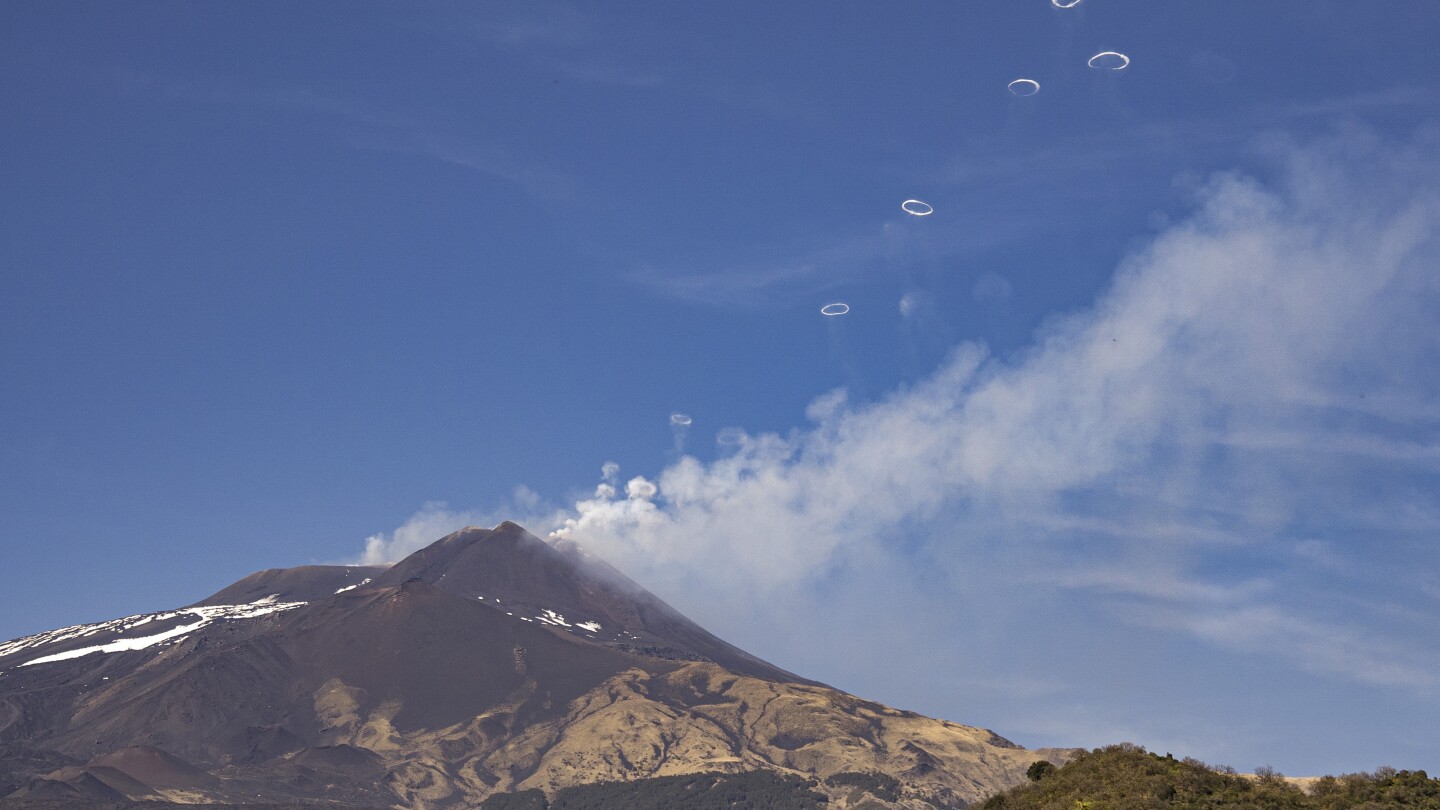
505 533
561 586
503 527
498 660
506 567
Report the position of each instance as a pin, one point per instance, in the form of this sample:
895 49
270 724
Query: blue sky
1134 438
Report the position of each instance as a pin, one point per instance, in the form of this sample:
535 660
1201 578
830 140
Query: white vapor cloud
603 513
1216 489
909 302
435 519
1260 371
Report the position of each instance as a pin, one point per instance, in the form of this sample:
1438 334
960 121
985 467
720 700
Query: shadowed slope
523 574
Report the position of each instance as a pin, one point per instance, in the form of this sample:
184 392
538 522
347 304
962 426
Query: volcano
489 662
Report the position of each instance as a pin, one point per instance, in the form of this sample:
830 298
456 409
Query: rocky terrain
488 663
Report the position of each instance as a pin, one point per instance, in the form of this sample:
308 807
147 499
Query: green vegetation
1039 770
523 800
879 785
1126 777
755 790
1386 787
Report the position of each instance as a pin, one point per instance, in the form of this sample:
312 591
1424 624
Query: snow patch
551 617
203 616
365 581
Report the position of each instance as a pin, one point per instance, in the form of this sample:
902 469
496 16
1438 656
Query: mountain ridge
489 661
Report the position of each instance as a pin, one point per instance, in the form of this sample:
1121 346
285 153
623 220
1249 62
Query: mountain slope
304 583
485 663
562 585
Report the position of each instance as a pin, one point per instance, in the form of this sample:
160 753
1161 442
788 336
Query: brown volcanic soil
445 658
427 657
70 787
155 768
120 782
411 691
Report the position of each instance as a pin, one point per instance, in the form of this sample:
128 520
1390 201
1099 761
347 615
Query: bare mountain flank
488 662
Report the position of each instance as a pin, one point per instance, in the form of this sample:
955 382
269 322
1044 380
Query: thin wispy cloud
1347 650
743 284
563 41
376 127
538 181
609 73
1403 96
293 98
988 160
992 169
539 24
788 271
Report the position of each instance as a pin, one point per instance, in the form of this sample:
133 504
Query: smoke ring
1109 60
1024 87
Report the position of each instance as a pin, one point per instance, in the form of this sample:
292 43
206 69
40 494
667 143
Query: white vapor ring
836 308
917 208
1109 60
1024 87
680 419
1064 3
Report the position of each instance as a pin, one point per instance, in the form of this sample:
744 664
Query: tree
1039 770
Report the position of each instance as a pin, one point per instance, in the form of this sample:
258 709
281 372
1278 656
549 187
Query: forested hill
1126 777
